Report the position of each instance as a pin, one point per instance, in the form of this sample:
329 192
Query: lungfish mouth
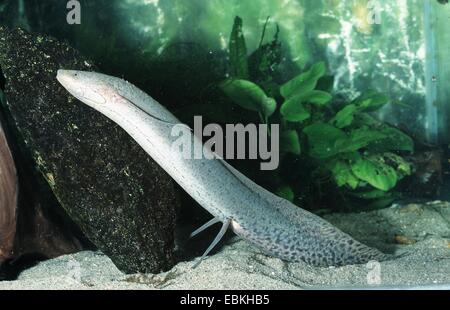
68 80
66 77
72 82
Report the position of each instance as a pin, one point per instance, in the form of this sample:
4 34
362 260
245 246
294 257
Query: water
369 128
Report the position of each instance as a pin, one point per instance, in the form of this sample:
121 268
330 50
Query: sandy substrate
420 232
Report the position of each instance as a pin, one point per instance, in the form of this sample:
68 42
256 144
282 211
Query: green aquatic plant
342 143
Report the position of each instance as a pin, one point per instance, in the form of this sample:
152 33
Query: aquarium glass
358 89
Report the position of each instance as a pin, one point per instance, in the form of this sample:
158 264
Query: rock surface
238 265
32 222
123 201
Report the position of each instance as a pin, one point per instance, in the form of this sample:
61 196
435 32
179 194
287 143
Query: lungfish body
271 223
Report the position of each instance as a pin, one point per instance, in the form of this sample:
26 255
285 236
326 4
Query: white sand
240 266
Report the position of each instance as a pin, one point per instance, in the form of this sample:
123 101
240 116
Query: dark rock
32 223
122 201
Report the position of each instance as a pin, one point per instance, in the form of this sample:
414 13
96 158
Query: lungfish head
108 94
94 89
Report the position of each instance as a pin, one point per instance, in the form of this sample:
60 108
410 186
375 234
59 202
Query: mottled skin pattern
271 223
318 244
293 234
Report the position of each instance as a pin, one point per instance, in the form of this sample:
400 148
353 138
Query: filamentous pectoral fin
204 227
219 237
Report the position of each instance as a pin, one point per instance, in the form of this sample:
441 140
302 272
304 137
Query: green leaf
350 157
268 107
365 119
371 101
286 192
359 138
305 82
317 97
344 118
293 110
290 142
249 96
244 93
343 175
238 51
402 167
322 140
376 173
395 140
